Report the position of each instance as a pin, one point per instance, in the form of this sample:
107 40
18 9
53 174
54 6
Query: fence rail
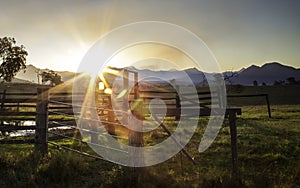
255 95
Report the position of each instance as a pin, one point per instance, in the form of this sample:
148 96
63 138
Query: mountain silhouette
267 73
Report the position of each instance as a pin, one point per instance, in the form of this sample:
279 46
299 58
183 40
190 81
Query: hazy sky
239 32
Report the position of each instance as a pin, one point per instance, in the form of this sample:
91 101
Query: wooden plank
15 128
68 112
20 105
201 111
68 102
20 94
155 88
62 99
65 94
159 91
17 113
198 93
165 101
249 95
160 96
18 100
60 107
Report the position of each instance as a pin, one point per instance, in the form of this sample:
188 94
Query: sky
57 34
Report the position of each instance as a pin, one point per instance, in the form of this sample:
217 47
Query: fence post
135 140
233 139
3 100
178 104
268 104
135 136
110 117
41 136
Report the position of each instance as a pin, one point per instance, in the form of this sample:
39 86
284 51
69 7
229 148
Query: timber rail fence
53 110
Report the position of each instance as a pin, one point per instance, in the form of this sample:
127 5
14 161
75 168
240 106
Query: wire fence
73 126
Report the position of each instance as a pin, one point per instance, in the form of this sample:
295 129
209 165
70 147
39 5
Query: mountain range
267 74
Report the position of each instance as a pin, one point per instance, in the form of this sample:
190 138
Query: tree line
288 81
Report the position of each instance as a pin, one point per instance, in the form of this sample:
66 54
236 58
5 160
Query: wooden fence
264 95
31 106
42 105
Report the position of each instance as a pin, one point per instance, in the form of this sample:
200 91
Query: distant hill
19 81
31 74
268 73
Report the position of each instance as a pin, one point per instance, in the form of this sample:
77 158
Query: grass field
269 156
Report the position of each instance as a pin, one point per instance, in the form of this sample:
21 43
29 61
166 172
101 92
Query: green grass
269 156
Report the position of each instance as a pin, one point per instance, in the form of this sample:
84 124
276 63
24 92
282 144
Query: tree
12 58
278 82
255 83
228 76
291 80
51 76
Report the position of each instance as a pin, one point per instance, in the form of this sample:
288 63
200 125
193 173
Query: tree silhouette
279 82
12 58
291 80
255 83
228 76
51 76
